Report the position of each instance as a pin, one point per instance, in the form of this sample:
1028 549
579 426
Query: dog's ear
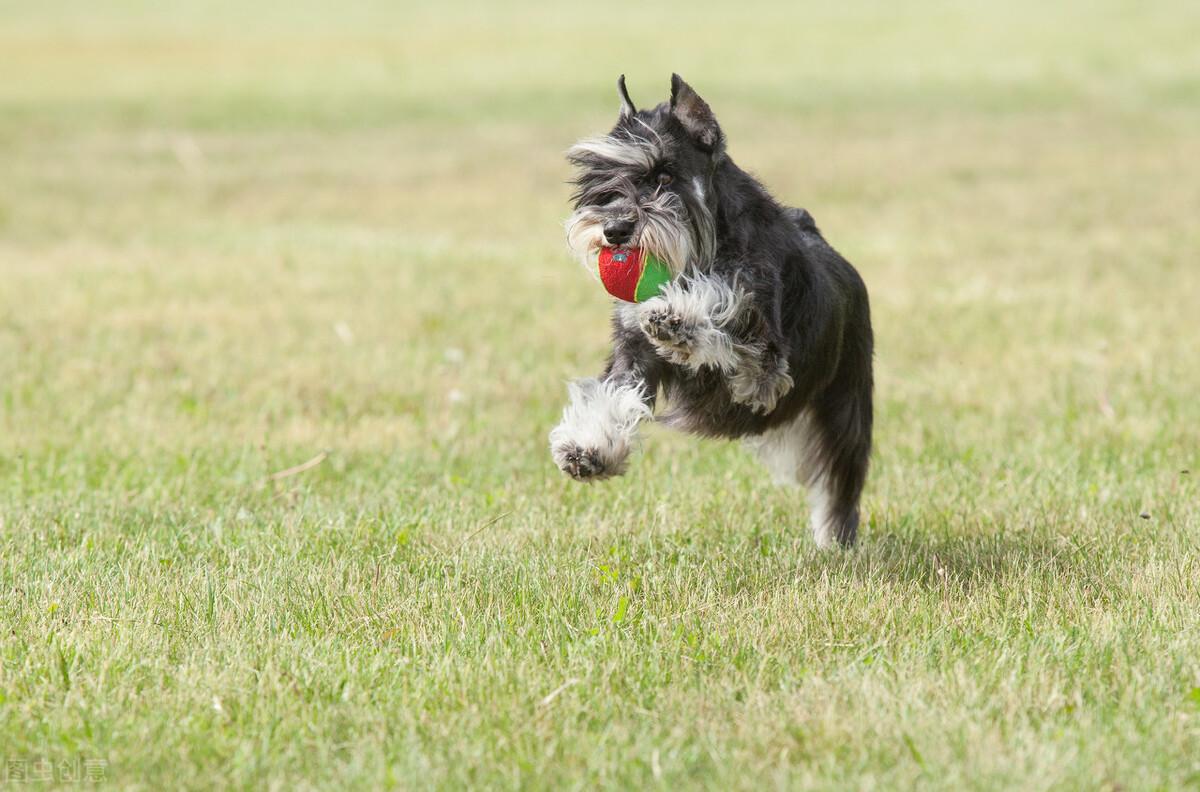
627 106
695 115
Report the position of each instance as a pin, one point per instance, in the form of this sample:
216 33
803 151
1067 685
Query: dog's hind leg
826 449
836 468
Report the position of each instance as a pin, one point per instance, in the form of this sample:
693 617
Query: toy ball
631 274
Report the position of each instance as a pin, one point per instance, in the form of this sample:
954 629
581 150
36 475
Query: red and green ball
631 274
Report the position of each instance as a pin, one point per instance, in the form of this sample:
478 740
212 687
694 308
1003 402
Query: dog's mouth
621 253
631 274
657 236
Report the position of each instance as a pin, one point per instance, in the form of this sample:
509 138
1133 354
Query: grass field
234 242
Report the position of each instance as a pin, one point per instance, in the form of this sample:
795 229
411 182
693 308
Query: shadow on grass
966 561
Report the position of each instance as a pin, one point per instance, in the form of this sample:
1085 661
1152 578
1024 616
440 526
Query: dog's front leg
598 429
762 378
704 322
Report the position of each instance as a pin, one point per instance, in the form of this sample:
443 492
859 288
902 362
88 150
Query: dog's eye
664 179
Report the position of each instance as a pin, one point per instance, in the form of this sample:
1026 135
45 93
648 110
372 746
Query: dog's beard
585 234
662 227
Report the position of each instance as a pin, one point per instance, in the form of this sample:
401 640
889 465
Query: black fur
807 307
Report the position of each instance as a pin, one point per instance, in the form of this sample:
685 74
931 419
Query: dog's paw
598 429
673 335
587 464
758 388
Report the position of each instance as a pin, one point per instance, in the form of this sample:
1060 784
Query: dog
763 333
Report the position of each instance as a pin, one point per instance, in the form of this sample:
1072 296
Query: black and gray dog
763 334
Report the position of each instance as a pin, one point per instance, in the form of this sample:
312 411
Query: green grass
231 241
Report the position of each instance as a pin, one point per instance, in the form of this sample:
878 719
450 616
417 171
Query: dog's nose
617 232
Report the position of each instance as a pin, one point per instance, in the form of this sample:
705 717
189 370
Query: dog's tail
802 218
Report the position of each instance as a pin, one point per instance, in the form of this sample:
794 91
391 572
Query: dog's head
649 182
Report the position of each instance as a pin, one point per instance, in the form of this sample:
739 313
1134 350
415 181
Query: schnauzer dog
764 332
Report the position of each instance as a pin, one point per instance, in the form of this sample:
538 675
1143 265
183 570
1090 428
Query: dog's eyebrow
595 186
638 152
652 131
